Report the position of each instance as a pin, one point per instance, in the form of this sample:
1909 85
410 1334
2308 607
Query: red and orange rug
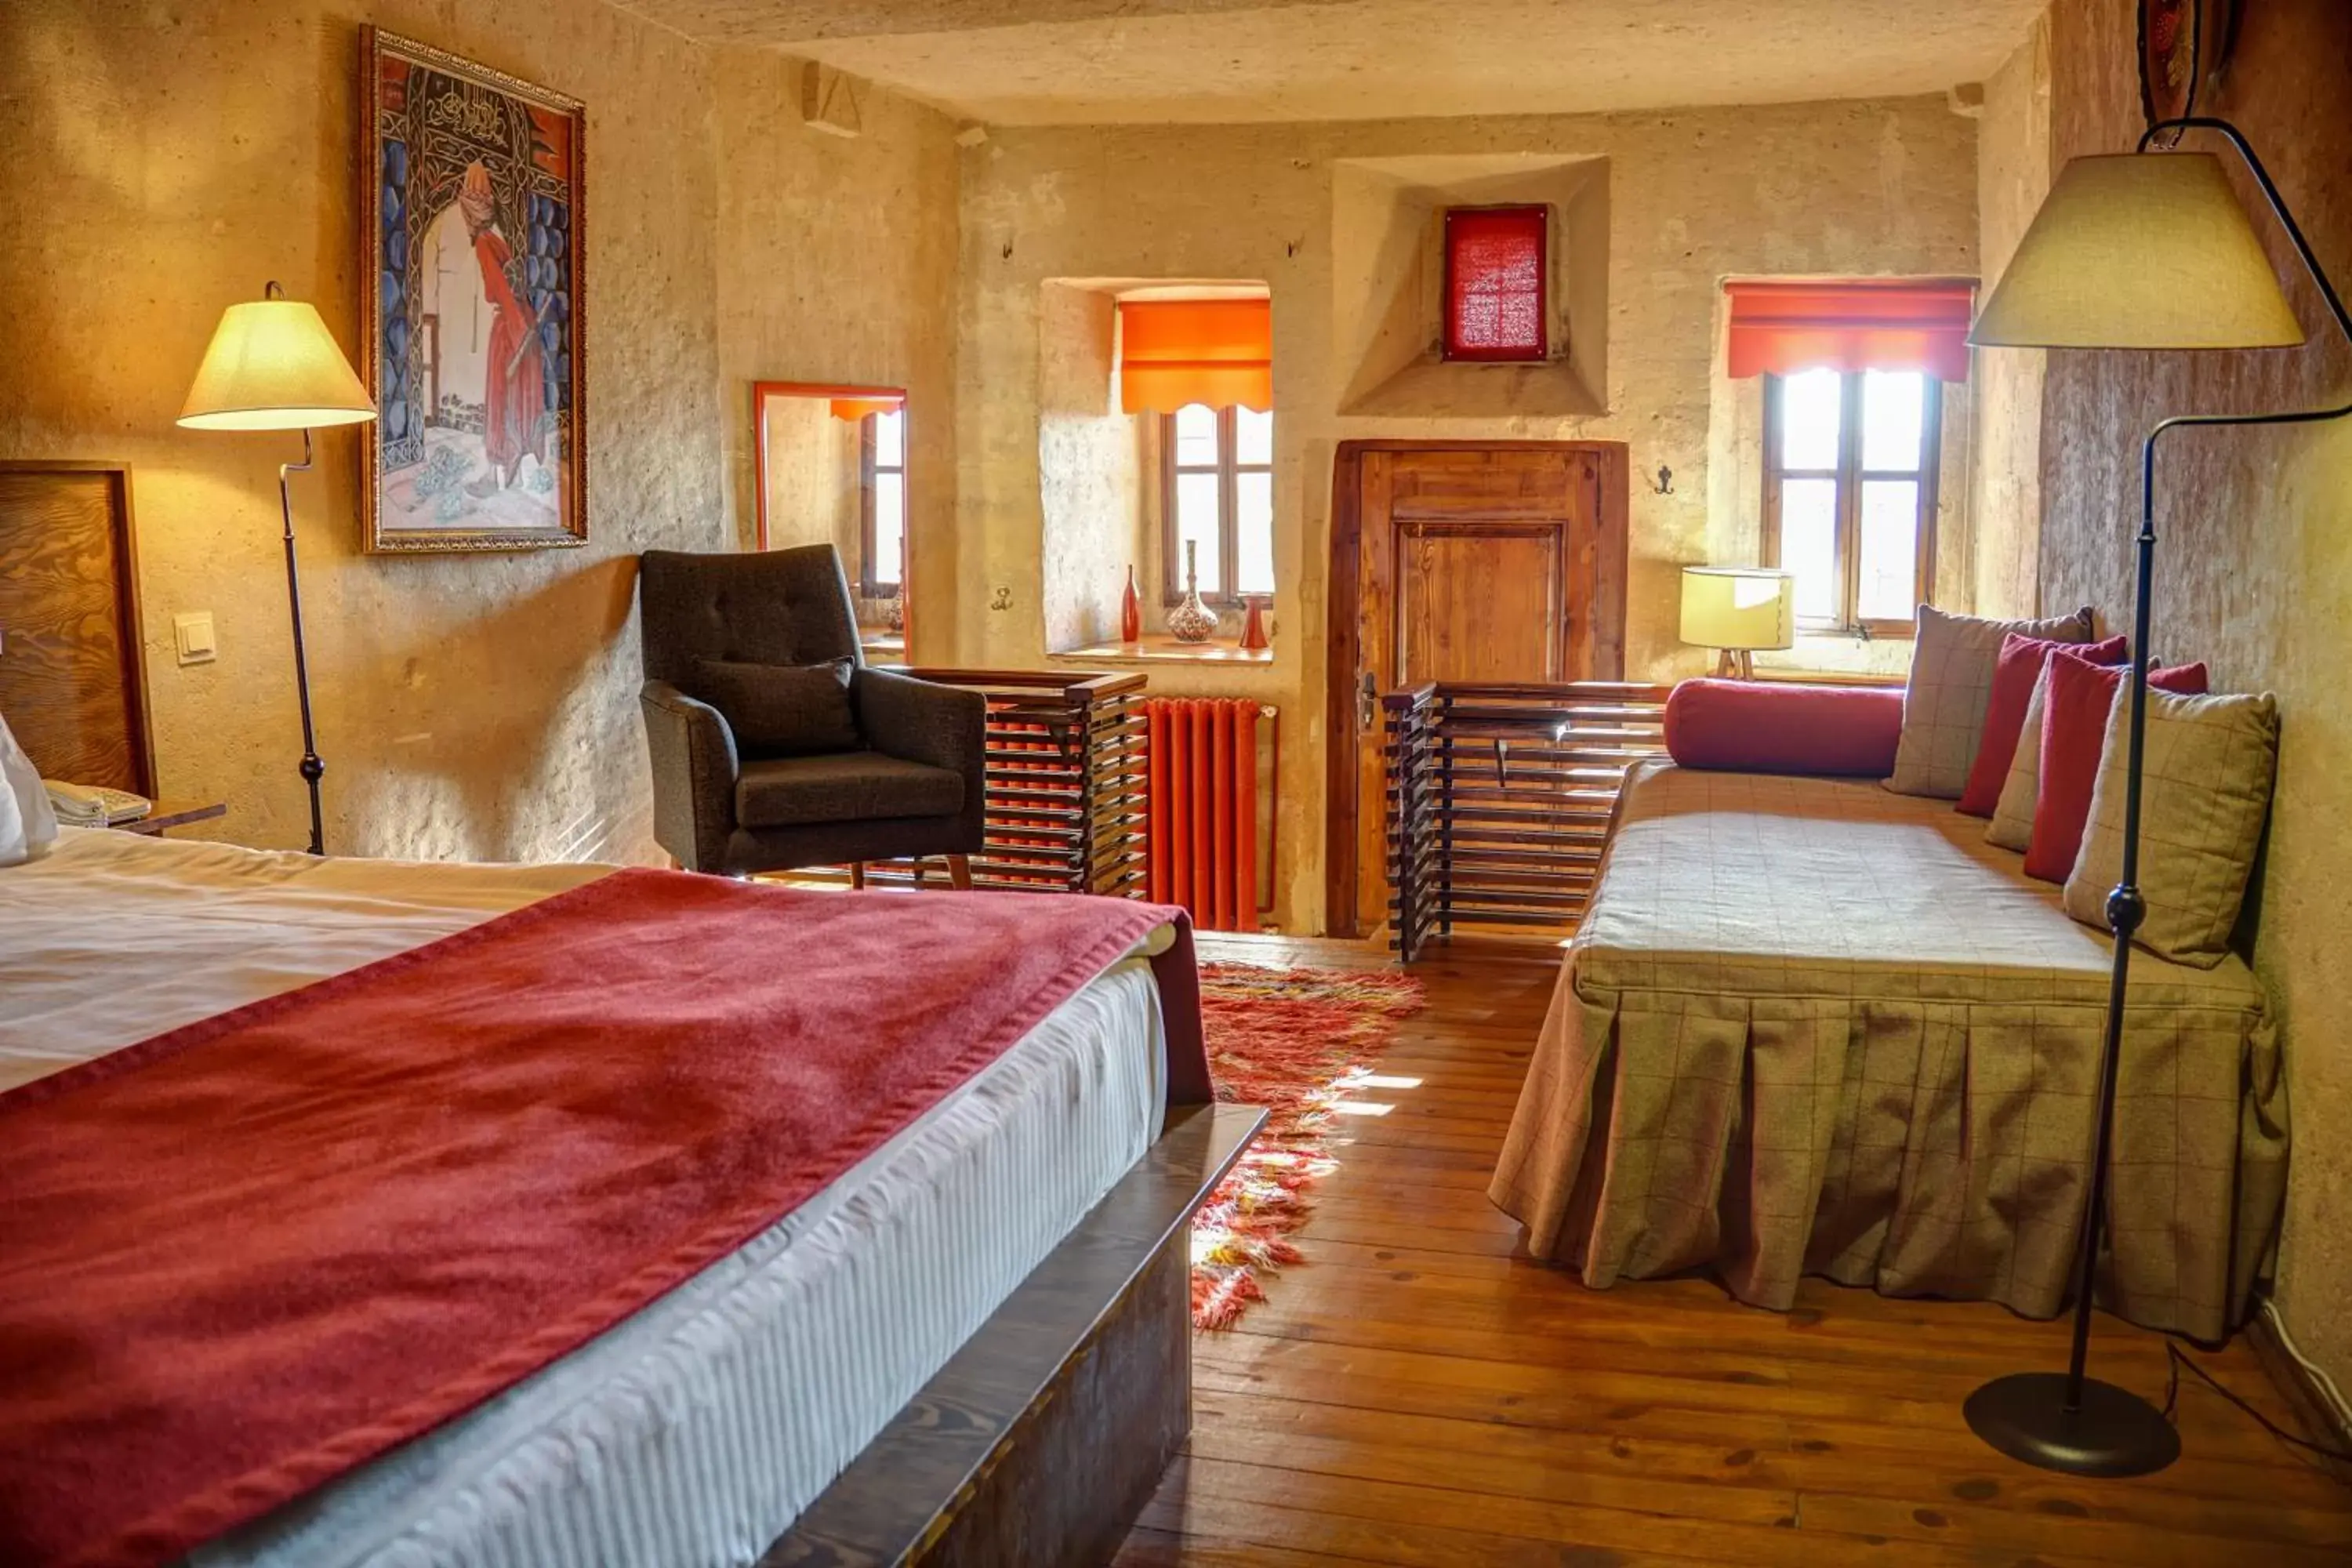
1299 1042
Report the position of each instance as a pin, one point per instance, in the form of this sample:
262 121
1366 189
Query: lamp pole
312 769
2072 1422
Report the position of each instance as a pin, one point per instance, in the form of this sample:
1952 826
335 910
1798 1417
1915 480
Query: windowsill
1163 649
882 642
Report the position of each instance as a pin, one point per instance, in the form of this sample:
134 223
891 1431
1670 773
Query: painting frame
443 137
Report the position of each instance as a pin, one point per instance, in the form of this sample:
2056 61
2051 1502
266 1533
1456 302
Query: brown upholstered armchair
813 765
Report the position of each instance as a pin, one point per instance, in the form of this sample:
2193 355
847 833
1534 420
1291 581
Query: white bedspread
698 1430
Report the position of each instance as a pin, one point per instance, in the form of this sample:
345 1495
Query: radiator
1205 804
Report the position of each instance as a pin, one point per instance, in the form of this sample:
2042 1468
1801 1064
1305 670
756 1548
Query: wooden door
72 685
1493 564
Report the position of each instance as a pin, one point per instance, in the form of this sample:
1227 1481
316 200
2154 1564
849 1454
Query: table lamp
2138 250
1738 609
273 365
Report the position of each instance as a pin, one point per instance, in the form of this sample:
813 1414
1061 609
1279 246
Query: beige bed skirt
1767 1117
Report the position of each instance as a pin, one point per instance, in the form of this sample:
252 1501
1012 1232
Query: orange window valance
1176 351
856 408
1856 324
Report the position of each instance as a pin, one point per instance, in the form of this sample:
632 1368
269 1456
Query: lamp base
1734 664
2115 1433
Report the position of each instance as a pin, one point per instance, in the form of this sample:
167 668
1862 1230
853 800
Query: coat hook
1008 250
1665 484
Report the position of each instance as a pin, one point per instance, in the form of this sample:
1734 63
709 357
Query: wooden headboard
73 680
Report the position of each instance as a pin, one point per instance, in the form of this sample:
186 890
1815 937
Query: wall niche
1388 218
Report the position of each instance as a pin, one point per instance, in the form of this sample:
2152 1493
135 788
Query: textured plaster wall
2012 176
2254 567
1863 187
1089 465
164 160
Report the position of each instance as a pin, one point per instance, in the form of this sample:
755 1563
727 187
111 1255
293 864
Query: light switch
193 634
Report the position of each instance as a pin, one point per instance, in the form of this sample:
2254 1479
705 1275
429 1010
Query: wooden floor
1416 1393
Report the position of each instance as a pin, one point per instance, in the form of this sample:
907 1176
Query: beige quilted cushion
2012 826
1951 680
2205 792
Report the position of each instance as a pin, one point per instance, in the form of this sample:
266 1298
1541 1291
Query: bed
703 1426
1809 1027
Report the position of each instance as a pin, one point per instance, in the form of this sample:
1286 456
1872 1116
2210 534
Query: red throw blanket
242 1257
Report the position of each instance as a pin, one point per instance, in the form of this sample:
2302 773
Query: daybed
1811 1026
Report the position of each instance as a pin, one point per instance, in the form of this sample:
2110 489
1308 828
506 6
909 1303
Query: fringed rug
1299 1042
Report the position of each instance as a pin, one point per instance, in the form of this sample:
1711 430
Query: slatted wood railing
1067 783
1498 800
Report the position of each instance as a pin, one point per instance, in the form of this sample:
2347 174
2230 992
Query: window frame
1229 469
1849 477
868 586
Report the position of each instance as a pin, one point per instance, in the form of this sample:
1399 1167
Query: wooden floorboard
1420 1392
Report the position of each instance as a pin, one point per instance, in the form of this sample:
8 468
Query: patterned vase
1191 620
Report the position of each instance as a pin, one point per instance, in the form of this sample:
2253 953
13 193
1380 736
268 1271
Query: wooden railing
1498 800
1065 780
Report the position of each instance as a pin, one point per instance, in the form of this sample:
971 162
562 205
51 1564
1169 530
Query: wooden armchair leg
857 875
960 871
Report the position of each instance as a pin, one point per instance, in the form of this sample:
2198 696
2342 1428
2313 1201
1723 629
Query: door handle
1367 703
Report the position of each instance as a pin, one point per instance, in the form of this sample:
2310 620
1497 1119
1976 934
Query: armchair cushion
922 721
782 710
853 786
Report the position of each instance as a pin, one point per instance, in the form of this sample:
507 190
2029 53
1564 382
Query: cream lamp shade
1739 607
2139 250
273 365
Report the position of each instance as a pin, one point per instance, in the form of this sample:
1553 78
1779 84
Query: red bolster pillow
1755 727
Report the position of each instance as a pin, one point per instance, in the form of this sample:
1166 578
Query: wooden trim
1043 1436
2311 1407
1342 667
130 622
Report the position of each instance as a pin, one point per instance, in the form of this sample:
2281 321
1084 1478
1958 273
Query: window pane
1809 419
1893 410
1890 549
1253 437
890 439
1253 495
1196 436
889 529
1808 545
1196 519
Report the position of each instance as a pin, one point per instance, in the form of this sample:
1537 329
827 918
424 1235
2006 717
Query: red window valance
1177 352
1852 324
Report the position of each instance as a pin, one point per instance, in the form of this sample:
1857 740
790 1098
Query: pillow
28 824
1747 726
2012 826
2015 672
2074 730
1951 680
781 710
2205 790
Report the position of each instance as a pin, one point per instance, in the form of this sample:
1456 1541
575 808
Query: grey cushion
851 786
782 710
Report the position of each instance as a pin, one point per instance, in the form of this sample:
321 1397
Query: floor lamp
2139 250
273 365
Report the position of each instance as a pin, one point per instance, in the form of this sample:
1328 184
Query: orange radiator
1203 818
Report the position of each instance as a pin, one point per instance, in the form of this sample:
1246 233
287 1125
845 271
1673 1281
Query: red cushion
2073 735
1758 727
2014 675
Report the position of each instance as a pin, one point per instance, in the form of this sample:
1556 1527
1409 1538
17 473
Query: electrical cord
2177 1359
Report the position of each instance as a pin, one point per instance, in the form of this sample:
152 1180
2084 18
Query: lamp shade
2139 250
1739 607
273 365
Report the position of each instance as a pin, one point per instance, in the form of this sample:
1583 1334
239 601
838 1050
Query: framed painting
472 326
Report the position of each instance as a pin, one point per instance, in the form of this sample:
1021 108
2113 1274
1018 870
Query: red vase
1130 611
1253 636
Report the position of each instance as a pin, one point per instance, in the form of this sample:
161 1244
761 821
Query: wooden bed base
1042 1438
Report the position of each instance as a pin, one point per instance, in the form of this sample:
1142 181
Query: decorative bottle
1191 620
1130 611
1254 637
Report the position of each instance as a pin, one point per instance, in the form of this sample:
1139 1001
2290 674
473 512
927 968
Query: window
1850 460
882 485
1495 267
1217 489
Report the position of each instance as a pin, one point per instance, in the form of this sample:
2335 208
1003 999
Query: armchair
914 786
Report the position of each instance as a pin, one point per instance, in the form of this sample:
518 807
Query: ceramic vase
1253 635
1191 620
1130 611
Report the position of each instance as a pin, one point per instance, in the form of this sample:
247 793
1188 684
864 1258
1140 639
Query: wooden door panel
1478 603
69 662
